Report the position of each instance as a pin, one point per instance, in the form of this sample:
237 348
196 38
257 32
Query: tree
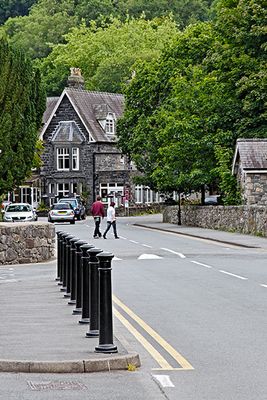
185 111
22 103
106 54
14 8
164 128
45 25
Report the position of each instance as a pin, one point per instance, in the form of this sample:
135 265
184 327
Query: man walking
98 212
111 220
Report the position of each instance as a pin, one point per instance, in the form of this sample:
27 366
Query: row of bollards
84 274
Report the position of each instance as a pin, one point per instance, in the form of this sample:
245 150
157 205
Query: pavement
39 333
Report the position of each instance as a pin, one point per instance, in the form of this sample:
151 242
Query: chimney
75 80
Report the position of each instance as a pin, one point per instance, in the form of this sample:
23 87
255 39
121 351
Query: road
194 310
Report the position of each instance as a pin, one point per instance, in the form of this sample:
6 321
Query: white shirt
111 214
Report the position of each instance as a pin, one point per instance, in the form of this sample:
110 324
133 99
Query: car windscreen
72 202
18 208
62 206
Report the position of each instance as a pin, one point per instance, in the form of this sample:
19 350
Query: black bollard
94 289
105 306
85 283
67 262
58 255
72 300
63 254
60 252
78 309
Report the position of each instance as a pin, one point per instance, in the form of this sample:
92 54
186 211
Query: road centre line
162 342
146 245
199 263
262 284
235 276
174 252
133 241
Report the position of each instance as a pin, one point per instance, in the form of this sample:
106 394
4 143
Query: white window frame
77 157
65 189
63 153
110 124
115 189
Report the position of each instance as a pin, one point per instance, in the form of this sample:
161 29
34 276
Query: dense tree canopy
14 8
185 110
49 20
106 54
22 104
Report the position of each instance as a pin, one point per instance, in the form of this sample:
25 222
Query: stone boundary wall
242 219
26 242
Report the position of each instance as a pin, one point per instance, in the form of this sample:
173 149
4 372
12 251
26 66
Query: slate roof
90 106
251 154
50 105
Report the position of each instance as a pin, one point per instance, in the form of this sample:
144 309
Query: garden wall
26 242
242 219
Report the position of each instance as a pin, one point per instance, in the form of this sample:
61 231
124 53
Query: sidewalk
234 239
38 331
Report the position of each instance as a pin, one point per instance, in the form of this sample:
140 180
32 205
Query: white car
16 212
62 212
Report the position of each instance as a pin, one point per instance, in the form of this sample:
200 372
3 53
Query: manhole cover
56 385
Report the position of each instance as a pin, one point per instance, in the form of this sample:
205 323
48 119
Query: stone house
81 157
80 147
250 169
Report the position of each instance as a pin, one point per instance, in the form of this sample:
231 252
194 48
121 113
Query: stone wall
23 243
242 219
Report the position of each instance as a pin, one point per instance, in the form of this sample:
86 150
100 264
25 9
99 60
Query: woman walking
111 221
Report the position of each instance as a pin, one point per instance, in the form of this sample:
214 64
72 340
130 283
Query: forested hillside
114 32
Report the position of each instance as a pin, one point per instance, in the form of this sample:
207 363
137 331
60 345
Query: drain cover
56 385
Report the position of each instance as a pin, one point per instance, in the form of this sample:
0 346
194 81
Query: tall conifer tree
22 103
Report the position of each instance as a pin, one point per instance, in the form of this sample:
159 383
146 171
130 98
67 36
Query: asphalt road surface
194 310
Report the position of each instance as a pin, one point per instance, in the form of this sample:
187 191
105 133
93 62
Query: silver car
17 212
61 212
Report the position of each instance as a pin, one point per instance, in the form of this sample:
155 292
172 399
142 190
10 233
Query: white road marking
122 237
174 252
199 263
133 241
9 280
117 259
263 285
146 245
148 257
235 276
164 380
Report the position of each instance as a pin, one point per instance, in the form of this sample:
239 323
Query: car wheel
72 222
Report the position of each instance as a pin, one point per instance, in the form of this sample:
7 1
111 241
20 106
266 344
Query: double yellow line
164 365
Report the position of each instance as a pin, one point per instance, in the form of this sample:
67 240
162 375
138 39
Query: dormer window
110 124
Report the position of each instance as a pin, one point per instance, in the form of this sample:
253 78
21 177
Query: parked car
213 200
19 212
77 205
61 212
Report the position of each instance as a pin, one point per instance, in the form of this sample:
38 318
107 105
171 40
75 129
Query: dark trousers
97 227
109 223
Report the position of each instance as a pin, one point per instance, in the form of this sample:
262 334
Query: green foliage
106 54
45 25
185 110
14 8
22 103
